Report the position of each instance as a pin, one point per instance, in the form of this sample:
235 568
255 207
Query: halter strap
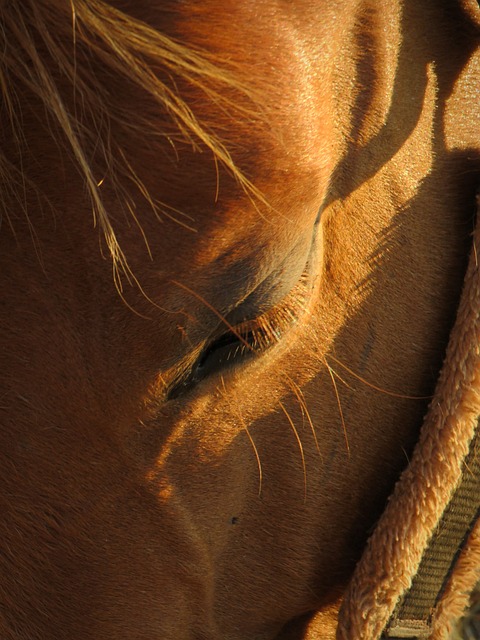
413 615
423 560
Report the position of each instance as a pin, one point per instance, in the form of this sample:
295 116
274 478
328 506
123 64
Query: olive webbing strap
412 618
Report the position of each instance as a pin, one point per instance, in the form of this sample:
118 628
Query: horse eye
247 339
227 350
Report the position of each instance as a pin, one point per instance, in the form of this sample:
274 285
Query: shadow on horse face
198 446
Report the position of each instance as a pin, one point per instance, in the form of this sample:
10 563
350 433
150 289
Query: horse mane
60 53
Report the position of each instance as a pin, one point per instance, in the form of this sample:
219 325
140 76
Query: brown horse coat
209 387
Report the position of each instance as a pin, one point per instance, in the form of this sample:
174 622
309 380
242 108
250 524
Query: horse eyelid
245 340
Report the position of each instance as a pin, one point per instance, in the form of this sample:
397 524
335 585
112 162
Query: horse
233 239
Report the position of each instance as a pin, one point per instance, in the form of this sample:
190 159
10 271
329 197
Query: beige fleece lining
394 551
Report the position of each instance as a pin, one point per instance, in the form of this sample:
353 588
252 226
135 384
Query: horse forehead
283 65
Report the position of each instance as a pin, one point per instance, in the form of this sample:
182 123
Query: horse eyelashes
231 348
245 341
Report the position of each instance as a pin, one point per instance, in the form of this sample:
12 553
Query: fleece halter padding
423 560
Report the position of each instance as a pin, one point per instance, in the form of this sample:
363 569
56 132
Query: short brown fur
206 137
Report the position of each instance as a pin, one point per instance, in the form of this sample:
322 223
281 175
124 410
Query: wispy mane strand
36 33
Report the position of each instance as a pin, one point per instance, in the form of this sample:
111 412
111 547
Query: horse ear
472 10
